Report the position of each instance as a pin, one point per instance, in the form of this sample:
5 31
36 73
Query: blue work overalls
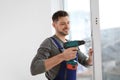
64 73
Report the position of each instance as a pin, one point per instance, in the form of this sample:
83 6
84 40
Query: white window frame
95 26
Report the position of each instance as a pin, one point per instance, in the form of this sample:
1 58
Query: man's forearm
90 61
53 61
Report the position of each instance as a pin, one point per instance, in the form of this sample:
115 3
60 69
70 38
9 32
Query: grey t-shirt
47 50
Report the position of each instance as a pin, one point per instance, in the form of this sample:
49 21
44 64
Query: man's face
62 26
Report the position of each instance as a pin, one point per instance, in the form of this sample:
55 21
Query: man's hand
90 59
70 53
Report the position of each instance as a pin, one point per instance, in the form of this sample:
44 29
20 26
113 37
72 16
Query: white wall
23 25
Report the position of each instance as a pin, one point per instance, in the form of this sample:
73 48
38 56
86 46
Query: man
49 57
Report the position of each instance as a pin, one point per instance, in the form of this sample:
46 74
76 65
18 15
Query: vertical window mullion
97 65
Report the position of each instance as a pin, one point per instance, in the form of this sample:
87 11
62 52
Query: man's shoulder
47 40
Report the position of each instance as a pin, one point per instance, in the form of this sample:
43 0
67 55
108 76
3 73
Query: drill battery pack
72 65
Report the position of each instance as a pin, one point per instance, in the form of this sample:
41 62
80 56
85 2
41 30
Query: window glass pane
79 11
110 38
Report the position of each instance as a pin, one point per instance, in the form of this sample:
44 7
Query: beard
63 33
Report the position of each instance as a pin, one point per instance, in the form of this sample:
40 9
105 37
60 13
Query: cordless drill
72 64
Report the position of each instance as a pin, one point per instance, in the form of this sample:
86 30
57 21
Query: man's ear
53 24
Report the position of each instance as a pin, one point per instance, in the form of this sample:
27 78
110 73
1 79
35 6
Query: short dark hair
60 13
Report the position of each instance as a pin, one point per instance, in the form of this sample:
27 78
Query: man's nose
67 25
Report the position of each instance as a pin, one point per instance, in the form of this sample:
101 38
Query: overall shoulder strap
58 44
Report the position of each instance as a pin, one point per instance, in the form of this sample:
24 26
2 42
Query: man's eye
62 24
